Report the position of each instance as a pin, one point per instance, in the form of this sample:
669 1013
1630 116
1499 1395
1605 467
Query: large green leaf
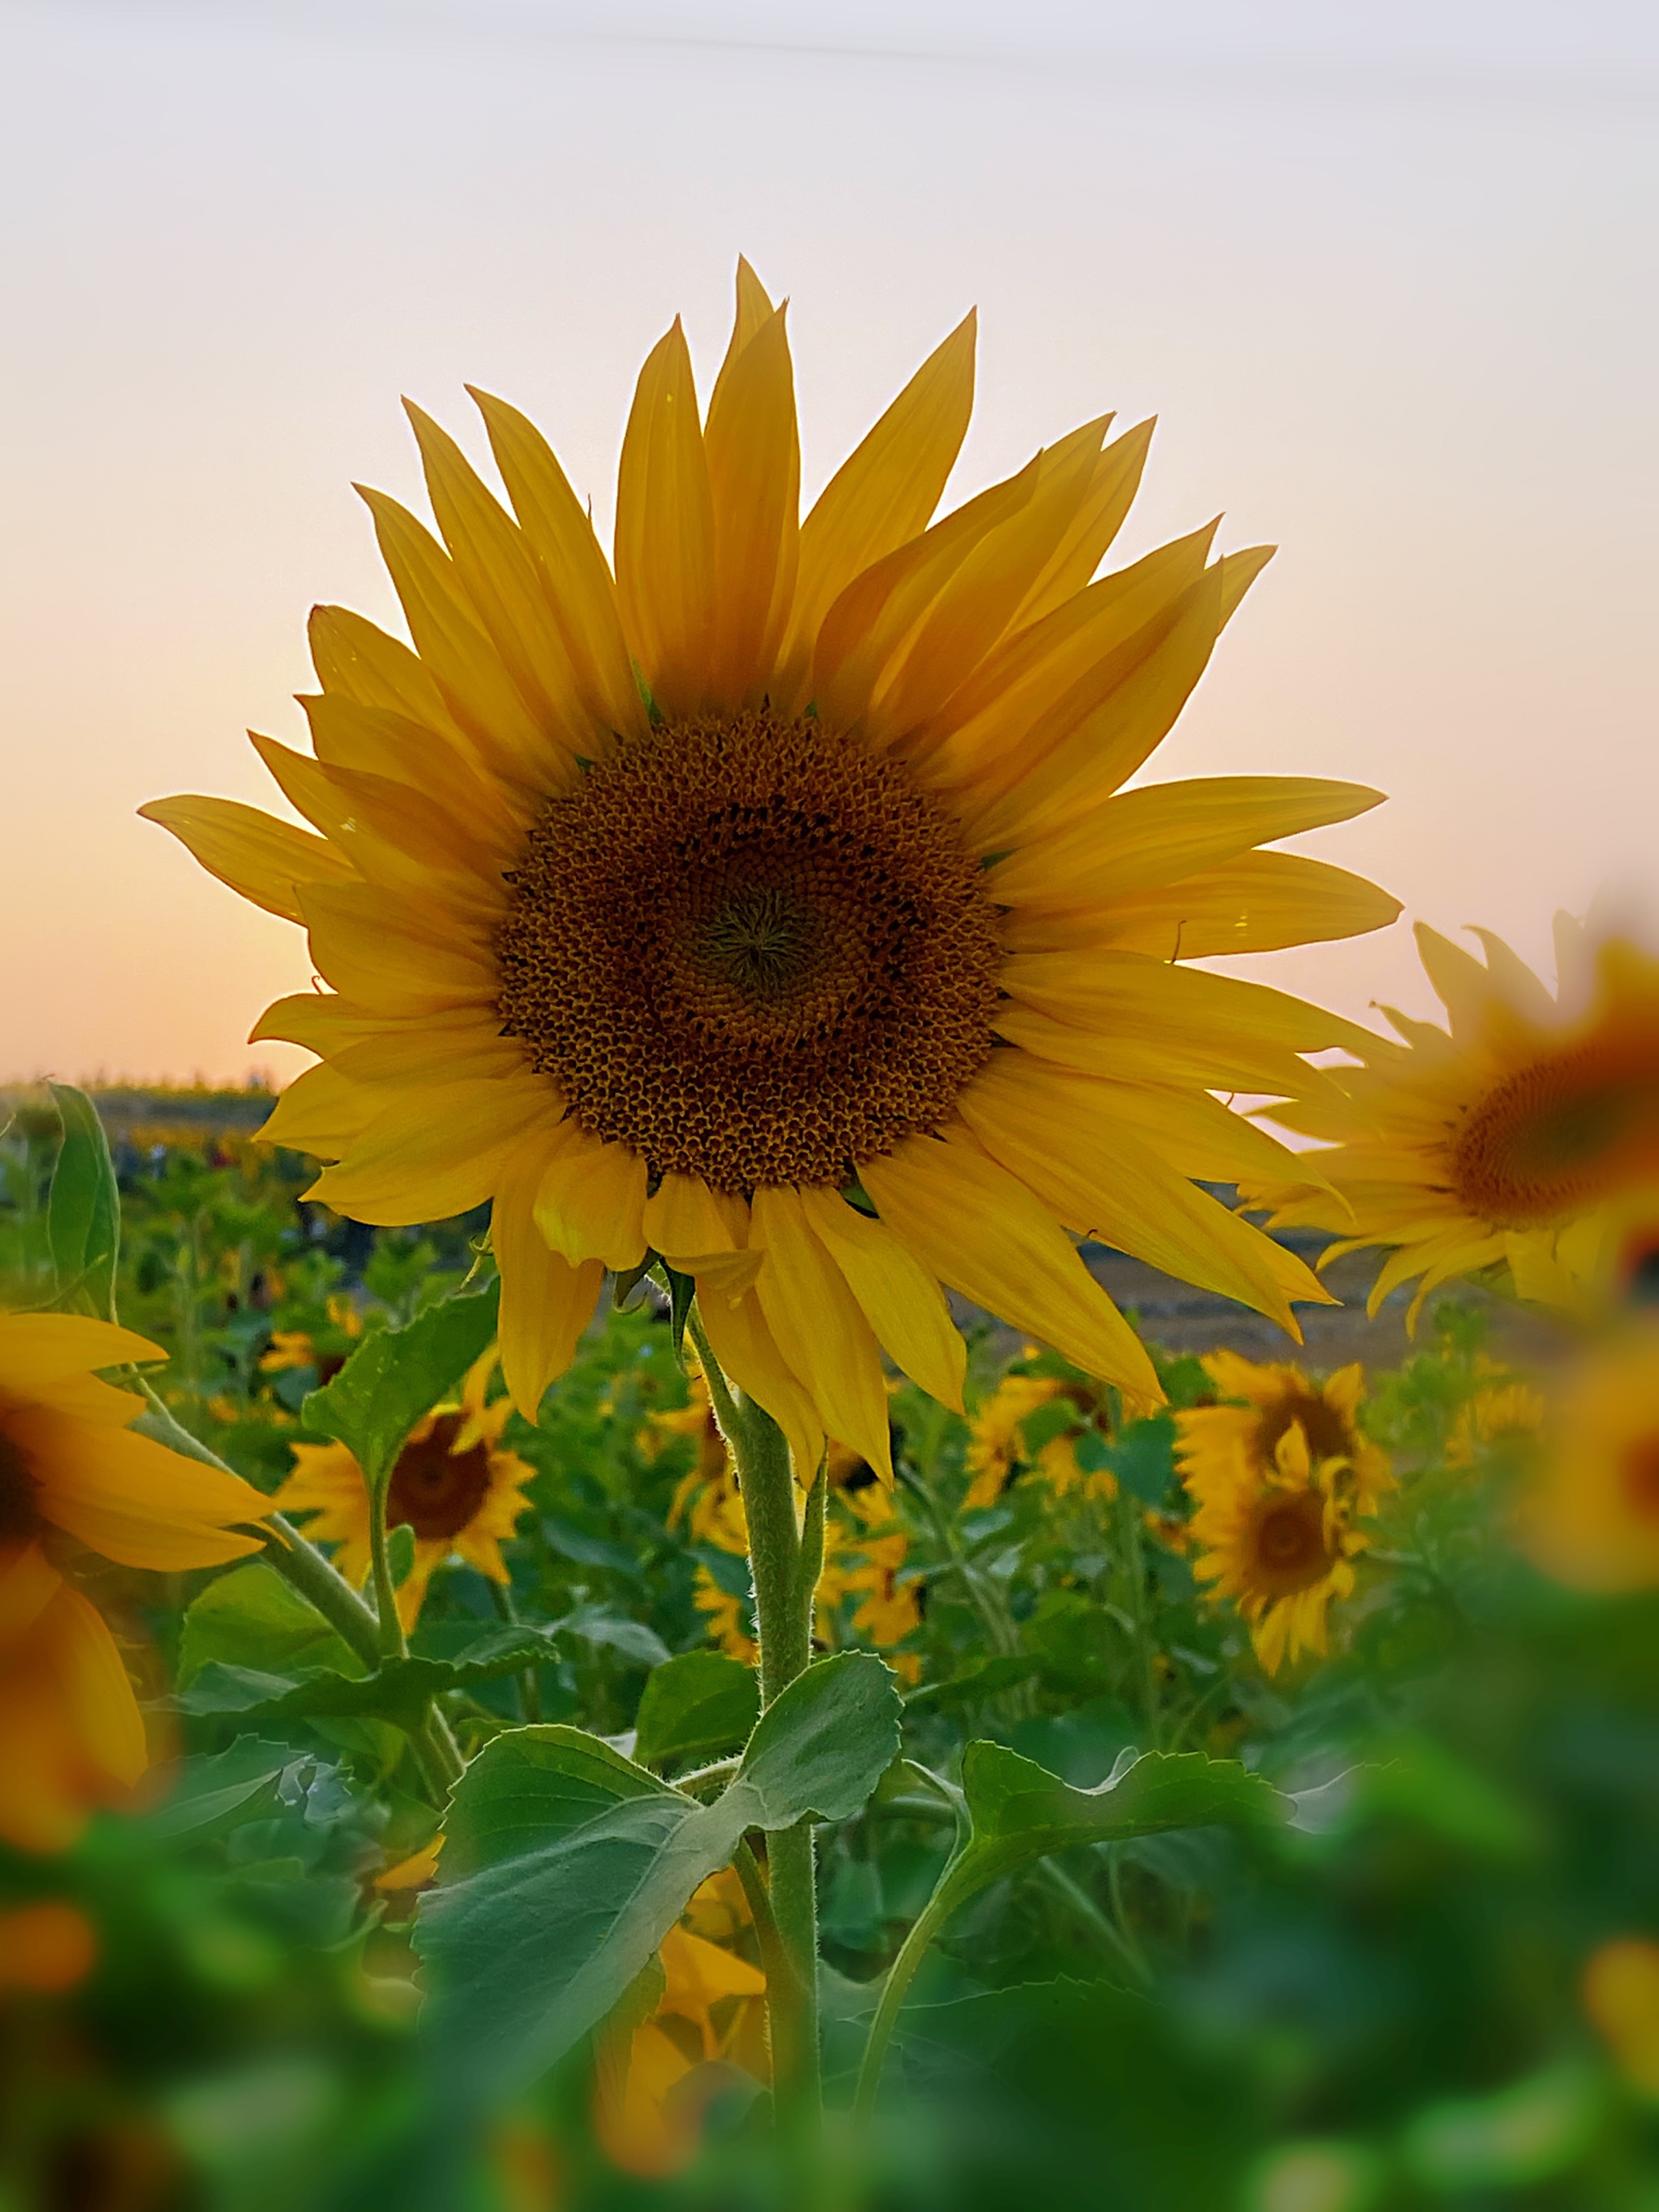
399 1374
251 1620
566 1865
400 1690
83 1211
210 1795
1020 1812
700 1705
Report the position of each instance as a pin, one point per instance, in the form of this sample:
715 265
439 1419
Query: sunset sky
1389 281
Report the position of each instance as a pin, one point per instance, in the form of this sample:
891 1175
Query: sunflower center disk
1287 1542
750 953
20 1512
1640 1471
435 1490
1572 1127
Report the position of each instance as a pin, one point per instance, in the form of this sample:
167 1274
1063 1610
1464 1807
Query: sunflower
71 1474
1279 1483
453 1485
1591 1518
1519 1140
773 903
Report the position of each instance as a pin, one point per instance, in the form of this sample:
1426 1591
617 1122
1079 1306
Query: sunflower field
611 1606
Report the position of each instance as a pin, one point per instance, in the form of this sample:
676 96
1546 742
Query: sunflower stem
784 1561
393 1644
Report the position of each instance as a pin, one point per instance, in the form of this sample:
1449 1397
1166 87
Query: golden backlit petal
590 1203
1255 903
475 686
1511 976
365 664
1164 832
574 574
1114 482
438 1049
1106 1182
382 951
754 474
1461 982
979 602
84 1659
264 859
500 580
901 1300
380 742
683 1216
666 575
820 1327
879 614
1198 1136
38 1349
981 1231
320 1112
431 1153
132 1499
748 1356
1040 685
29 1583
883 495
401 837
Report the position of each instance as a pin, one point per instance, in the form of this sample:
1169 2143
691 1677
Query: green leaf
212 1795
700 1705
398 1690
1019 1812
636 1641
566 1864
399 1374
251 1620
982 1680
83 1211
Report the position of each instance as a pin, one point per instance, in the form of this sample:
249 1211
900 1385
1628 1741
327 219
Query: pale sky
1387 276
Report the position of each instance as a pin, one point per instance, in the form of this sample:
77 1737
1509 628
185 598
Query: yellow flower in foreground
831 959
1621 1996
1592 1517
70 1733
647 2111
1279 1483
453 1485
1514 1140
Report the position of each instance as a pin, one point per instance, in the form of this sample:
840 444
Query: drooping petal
901 1300
264 859
880 497
820 1327
590 1201
321 1112
666 572
749 1357
981 1231
683 1216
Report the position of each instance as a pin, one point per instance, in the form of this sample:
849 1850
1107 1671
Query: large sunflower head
1525 1137
770 900
454 1485
72 1475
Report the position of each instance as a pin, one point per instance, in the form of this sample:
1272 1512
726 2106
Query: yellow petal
901 1301
1164 832
433 1153
1461 984
475 686
366 665
265 860
1105 1182
320 1112
41 1348
683 1216
499 577
390 834
379 948
1255 903
1113 483
89 1666
982 1232
820 1327
131 1499
754 475
574 573
590 1201
665 531
874 622
377 741
749 1357
882 495
29 1583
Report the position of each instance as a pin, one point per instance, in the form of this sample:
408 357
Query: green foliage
83 1213
397 1374
700 1706
572 1863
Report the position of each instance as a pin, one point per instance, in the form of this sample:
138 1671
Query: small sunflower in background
1280 1483
1517 1139
71 1737
1591 1516
454 1485
772 898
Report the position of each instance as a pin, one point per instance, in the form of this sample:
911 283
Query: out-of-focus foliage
1437 1991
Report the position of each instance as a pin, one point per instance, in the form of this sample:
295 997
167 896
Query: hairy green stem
785 1571
900 1975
